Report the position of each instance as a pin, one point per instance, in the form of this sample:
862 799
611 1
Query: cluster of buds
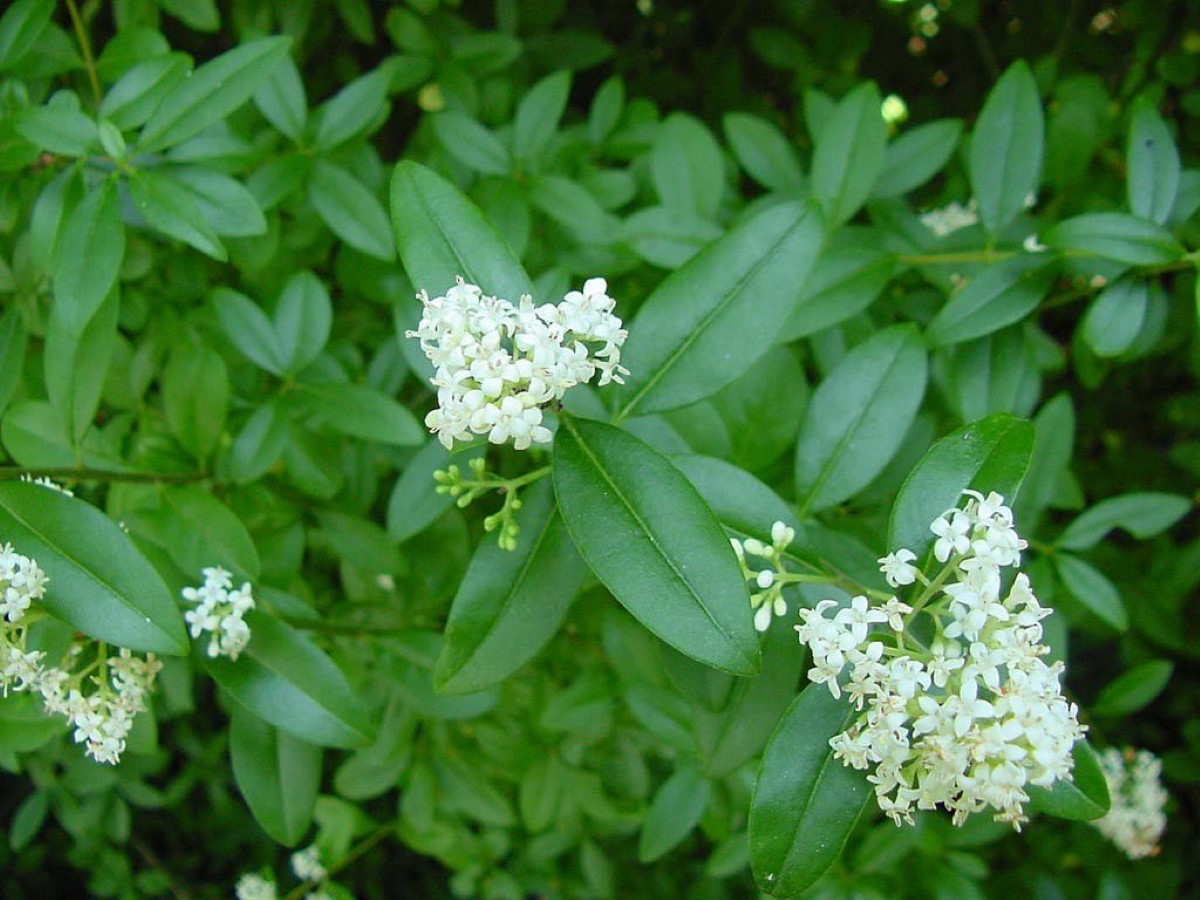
1136 819
499 364
307 867
466 488
958 707
219 612
772 575
99 695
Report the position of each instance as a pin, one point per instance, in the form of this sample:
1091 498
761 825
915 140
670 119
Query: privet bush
598 450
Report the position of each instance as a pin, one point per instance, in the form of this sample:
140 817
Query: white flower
1031 244
498 364
949 219
306 864
951 528
21 582
254 887
47 483
1136 819
219 612
897 567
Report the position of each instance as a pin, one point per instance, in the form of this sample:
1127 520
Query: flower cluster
306 864
959 708
499 364
1136 820
949 219
219 612
118 690
47 483
768 600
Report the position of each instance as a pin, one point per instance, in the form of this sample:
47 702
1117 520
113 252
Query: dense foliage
801 273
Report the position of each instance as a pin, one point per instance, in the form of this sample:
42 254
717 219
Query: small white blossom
949 219
1031 244
306 864
254 887
498 364
897 568
21 582
47 483
219 612
1136 819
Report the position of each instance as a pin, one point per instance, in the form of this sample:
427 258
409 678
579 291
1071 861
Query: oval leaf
1091 587
1142 514
999 296
1006 147
676 809
1134 689
98 581
277 774
649 537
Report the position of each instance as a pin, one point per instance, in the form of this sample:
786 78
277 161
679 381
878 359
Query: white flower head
306 864
252 886
949 219
1136 819
219 613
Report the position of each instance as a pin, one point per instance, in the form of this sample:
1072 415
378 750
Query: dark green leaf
362 412
98 581
76 363
415 502
763 152
25 725
999 296
1153 159
226 205
28 819
167 206
472 144
285 680
989 455
211 92
714 317
805 803
845 281
538 115
1006 148
59 129
859 415
1142 514
88 256
916 156
1133 689
21 26
849 154
350 210
1115 318
441 234
249 329
13 339
140 91
281 99
649 537
676 809
1116 236
303 318
1091 587
510 603
278 776
687 167
259 444
211 534
201 15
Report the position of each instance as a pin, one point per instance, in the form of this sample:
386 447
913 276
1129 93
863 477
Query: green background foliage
214 217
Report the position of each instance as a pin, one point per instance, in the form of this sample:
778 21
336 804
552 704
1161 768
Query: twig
86 47
83 473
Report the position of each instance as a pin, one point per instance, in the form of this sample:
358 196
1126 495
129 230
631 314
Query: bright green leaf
278 776
849 154
1006 148
350 210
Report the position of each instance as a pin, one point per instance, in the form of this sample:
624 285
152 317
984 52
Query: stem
962 256
323 627
85 47
83 473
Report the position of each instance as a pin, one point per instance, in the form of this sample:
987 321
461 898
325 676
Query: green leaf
538 115
606 109
1091 587
441 234
1114 319
1115 236
59 129
849 154
805 802
168 207
211 92
76 363
1142 514
649 537
277 775
98 581
1055 427
845 281
471 143
1006 148
249 329
859 415
88 256
998 296
989 455
916 156
28 819
281 99
352 110
21 28
259 444
303 318
1134 689
710 320
350 210
285 680
201 15
687 167
763 152
415 502
1153 159
25 725
141 90
210 534
226 205
1081 799
675 811
362 412
510 603
13 340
